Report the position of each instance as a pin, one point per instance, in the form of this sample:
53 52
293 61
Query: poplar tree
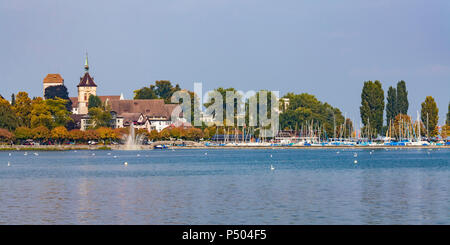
391 106
372 106
430 115
402 98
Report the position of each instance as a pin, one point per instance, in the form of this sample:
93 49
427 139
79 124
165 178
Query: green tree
59 91
305 109
164 89
391 106
223 93
40 114
402 98
99 117
23 133
22 108
144 93
8 118
430 115
57 108
94 101
372 106
160 90
259 106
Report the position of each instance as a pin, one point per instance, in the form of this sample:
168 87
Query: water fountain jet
133 142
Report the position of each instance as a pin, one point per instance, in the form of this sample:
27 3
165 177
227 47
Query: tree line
373 106
53 114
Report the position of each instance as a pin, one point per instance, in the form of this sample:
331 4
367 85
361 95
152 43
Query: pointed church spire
86 64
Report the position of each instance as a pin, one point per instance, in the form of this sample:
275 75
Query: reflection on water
226 187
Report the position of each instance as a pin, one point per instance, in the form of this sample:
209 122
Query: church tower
86 87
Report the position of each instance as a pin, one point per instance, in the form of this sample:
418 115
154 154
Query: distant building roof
54 78
129 118
149 108
109 98
86 81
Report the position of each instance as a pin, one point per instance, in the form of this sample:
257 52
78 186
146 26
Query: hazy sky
326 48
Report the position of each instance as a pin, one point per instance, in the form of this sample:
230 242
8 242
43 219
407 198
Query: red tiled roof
53 78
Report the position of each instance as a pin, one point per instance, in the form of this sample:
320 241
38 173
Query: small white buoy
9 164
206 153
9 154
138 155
370 153
115 156
355 161
271 167
93 154
125 163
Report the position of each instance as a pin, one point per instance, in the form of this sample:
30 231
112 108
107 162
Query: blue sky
326 48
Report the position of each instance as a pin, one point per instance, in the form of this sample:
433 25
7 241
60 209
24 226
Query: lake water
307 186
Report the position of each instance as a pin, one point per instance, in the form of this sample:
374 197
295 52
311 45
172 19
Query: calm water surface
319 186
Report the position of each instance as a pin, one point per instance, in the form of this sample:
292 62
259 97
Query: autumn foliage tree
23 133
59 134
76 135
40 133
430 116
106 134
5 135
193 134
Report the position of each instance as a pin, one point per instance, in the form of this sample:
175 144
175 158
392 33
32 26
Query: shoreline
150 147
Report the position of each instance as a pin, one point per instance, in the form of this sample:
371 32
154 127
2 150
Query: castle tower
86 87
52 80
